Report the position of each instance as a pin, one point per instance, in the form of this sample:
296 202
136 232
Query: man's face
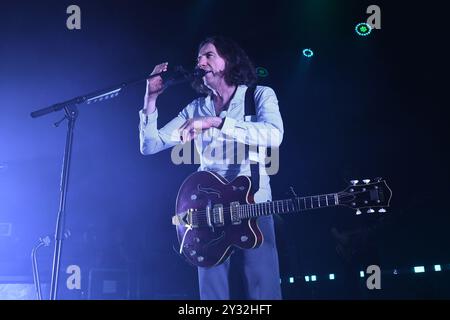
209 60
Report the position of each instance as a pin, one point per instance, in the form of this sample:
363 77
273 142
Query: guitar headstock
366 196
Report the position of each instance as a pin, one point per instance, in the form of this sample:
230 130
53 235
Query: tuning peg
382 210
370 210
358 212
354 182
378 179
366 181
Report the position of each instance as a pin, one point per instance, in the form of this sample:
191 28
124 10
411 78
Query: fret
336 200
326 199
332 199
301 204
321 201
318 200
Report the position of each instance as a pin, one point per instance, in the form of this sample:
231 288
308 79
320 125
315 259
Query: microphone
199 73
186 76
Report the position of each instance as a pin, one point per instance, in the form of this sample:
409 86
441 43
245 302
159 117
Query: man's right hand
154 88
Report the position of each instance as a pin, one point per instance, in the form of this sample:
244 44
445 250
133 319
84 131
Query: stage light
363 29
308 53
361 274
307 278
262 72
331 276
437 267
419 269
291 280
313 278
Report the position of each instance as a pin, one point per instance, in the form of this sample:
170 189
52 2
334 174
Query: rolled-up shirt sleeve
153 140
268 129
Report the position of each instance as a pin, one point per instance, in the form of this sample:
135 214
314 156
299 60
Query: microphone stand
71 114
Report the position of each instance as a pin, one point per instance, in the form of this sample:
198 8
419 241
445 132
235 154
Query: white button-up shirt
229 150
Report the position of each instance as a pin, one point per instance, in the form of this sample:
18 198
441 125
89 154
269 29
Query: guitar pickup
217 216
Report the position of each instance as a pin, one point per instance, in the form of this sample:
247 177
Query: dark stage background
361 107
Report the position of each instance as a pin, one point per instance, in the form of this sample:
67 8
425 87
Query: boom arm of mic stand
91 97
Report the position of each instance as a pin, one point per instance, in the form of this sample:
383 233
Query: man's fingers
162 67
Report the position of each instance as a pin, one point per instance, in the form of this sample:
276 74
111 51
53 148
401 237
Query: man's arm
153 140
267 131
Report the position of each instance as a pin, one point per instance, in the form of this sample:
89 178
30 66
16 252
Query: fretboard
287 206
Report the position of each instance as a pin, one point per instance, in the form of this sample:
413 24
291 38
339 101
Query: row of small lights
331 276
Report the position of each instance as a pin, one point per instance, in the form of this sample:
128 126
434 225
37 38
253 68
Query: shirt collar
237 100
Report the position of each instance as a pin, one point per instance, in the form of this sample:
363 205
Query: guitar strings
201 215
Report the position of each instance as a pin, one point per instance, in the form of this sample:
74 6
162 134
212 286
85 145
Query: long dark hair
238 67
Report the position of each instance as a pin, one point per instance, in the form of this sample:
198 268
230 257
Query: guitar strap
250 110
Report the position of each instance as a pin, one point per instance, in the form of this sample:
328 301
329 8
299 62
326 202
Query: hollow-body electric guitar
213 215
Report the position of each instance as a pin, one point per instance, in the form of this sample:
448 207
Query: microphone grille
199 73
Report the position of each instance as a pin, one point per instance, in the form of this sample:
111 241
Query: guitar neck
287 206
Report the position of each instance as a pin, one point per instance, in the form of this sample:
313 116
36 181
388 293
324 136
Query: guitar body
203 241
